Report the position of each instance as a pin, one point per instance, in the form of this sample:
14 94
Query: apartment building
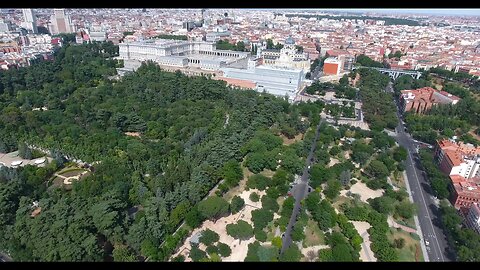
461 162
472 218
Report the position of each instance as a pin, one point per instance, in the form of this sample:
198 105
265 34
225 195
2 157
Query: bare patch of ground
332 162
314 249
239 248
287 141
364 191
313 235
267 173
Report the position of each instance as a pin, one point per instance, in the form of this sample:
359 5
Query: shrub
223 249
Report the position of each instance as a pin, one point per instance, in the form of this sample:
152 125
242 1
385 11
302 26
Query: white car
426 243
16 163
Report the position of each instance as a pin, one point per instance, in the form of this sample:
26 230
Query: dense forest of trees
451 75
366 61
378 105
185 148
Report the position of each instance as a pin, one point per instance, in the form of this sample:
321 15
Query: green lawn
70 170
397 179
407 253
313 235
73 173
406 222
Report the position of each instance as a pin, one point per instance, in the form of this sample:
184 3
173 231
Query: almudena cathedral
281 73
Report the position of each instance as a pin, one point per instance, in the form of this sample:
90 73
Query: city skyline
439 11
414 11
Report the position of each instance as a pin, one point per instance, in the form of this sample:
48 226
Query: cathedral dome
289 41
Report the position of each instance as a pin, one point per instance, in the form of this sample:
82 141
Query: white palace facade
187 56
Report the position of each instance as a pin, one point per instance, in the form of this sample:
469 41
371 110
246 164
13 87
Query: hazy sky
442 11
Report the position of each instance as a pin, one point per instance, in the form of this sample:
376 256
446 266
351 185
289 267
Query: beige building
287 57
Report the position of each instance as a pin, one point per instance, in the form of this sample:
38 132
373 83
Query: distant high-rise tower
61 22
30 20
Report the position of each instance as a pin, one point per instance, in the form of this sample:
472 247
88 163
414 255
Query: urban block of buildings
239 69
422 99
461 162
286 57
179 54
337 62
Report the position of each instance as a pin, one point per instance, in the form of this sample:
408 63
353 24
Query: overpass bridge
395 73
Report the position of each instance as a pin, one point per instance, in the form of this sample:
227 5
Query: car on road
426 243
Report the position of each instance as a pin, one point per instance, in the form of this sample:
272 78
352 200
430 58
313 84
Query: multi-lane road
433 236
299 192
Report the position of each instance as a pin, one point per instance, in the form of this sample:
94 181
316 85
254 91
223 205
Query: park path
366 253
393 223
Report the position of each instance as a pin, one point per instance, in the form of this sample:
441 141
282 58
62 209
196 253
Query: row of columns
194 61
220 54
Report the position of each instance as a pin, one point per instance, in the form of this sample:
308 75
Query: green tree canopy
241 230
213 207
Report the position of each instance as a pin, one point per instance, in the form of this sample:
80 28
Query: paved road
299 192
5 258
422 194
316 73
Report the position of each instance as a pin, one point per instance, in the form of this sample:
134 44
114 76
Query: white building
60 22
469 168
287 57
98 36
181 54
29 20
3 27
473 218
274 80
217 34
